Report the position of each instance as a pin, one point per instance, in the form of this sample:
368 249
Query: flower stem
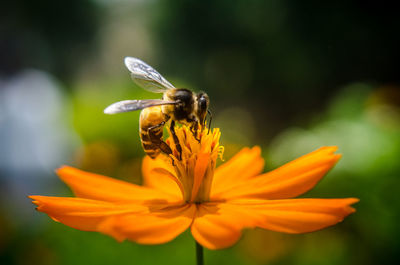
199 254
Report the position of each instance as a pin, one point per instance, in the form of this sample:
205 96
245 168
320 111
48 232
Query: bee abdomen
150 142
151 130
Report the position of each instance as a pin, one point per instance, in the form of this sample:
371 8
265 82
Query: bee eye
203 103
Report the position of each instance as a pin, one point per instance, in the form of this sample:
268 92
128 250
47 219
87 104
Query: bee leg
176 140
209 124
159 143
194 129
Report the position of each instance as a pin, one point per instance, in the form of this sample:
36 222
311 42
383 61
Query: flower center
195 170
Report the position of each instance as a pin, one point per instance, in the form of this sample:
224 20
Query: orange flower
216 203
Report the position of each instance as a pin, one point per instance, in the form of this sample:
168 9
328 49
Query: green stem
199 254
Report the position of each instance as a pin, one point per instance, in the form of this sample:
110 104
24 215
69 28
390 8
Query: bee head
202 106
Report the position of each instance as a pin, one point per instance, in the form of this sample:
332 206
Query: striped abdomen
151 130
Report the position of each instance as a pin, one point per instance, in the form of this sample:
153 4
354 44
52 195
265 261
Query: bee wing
146 77
132 105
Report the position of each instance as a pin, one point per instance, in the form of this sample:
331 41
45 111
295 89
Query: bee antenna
209 123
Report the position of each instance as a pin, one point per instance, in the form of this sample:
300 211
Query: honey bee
177 105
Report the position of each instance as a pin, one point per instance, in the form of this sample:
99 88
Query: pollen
195 171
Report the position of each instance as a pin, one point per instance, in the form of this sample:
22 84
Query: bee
177 105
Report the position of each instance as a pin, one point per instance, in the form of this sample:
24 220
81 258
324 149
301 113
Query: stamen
195 171
221 150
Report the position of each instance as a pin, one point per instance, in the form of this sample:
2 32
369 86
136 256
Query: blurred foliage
276 57
365 123
288 76
47 35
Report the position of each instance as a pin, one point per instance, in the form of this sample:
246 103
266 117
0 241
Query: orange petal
98 187
84 214
288 181
218 226
296 215
199 170
245 165
158 226
163 180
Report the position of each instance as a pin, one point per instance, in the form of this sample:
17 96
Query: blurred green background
290 76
